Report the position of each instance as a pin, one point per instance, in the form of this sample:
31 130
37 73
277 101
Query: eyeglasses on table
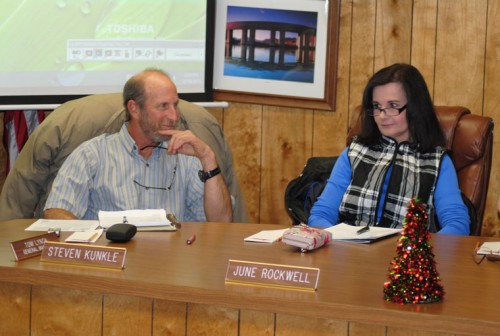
486 253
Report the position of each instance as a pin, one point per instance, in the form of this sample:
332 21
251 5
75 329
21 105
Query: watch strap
204 176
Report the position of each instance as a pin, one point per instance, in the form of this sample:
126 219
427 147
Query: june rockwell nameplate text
272 275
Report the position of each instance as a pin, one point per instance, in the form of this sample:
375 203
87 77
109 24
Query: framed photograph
277 52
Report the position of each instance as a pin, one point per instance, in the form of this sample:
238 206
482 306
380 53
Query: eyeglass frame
173 174
371 112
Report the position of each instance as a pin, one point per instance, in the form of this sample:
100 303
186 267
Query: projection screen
53 51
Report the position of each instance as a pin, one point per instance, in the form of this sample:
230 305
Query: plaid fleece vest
413 174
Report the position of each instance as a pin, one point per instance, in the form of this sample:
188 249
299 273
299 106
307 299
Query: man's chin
157 137
161 138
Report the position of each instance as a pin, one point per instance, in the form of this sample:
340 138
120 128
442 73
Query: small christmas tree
413 277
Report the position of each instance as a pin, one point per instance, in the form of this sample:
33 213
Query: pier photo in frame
276 52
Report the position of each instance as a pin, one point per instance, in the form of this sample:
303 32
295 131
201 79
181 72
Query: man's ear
134 109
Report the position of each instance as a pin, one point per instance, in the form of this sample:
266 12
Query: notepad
346 232
139 218
89 236
266 236
489 248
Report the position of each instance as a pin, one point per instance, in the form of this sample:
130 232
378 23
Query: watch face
202 175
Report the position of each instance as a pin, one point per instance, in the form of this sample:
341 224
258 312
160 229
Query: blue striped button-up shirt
100 175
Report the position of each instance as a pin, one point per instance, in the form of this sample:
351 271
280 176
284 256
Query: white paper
149 217
266 236
64 225
89 236
348 232
489 248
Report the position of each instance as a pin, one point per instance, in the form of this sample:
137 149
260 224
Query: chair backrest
469 139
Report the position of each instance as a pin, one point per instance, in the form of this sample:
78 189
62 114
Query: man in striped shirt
147 165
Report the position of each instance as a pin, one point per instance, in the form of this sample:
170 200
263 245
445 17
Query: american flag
18 126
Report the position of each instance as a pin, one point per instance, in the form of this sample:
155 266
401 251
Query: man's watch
204 176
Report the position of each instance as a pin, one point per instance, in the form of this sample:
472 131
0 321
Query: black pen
363 229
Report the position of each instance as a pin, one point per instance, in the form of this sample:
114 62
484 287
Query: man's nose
172 112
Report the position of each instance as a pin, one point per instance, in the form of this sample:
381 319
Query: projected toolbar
137 50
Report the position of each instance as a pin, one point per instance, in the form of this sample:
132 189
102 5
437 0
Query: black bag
303 191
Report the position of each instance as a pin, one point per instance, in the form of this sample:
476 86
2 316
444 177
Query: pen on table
363 229
191 239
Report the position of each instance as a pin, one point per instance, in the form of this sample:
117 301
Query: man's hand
185 142
217 201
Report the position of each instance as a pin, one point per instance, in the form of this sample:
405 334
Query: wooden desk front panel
169 287
62 311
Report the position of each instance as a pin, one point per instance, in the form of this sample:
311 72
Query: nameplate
31 247
272 275
84 255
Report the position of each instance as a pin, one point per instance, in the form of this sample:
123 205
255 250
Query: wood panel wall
454 43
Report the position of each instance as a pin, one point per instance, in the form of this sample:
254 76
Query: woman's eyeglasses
376 110
173 172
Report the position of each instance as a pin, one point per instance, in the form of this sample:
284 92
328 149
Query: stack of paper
346 232
63 225
89 236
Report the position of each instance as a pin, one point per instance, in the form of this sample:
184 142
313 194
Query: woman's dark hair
134 88
422 121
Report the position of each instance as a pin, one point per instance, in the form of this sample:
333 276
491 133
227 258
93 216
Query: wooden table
170 288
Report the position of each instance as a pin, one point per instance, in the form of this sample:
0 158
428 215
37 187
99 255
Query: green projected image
83 47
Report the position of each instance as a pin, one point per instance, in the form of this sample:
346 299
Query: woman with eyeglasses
399 154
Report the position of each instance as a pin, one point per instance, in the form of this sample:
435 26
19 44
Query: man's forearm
56 213
218 205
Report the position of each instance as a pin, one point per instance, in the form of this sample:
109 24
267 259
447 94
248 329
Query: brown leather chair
469 139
